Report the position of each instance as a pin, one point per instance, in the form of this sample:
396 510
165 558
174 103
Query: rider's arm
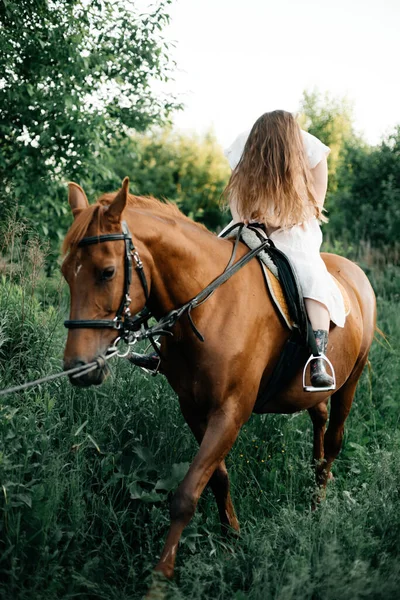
233 154
320 180
234 210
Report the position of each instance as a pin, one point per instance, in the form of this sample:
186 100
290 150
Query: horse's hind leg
219 484
319 417
341 402
219 481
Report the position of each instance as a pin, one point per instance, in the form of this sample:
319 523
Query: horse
217 381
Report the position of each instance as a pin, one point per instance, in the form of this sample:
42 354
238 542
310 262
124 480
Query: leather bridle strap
123 310
165 323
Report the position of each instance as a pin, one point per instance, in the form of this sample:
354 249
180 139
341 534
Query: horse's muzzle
95 377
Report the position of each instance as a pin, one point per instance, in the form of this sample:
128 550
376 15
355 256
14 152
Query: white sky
240 58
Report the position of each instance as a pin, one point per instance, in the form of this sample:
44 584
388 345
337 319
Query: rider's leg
151 362
319 317
318 314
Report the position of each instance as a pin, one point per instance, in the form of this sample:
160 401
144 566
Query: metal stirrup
312 388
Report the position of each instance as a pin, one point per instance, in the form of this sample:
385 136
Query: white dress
302 243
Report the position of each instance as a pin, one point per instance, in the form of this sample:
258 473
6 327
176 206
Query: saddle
286 294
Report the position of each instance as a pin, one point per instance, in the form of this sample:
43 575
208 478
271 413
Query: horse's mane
79 227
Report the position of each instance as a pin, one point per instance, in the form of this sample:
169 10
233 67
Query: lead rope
75 372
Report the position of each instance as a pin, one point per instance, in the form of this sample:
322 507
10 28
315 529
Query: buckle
118 323
312 388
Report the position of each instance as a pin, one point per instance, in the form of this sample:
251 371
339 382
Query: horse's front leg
221 432
219 481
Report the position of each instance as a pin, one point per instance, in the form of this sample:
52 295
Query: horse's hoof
158 587
230 532
318 496
330 476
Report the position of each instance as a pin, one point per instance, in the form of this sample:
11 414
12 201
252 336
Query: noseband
123 312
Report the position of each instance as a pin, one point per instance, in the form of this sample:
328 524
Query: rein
136 328
98 363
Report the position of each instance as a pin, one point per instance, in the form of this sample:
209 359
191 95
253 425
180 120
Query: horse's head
96 275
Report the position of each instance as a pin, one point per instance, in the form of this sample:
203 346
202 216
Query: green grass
86 476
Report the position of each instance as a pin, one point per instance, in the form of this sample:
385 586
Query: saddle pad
278 297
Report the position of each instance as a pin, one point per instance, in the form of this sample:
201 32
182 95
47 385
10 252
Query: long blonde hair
272 182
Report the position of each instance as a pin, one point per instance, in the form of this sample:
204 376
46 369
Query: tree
330 120
364 181
189 170
367 199
74 77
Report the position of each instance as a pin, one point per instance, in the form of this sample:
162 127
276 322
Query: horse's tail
382 335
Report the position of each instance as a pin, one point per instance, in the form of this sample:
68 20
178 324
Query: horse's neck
185 258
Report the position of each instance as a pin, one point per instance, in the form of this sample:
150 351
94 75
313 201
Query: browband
96 239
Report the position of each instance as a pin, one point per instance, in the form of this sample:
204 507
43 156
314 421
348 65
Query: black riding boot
319 376
151 362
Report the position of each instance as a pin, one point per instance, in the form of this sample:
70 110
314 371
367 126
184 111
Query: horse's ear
76 198
116 207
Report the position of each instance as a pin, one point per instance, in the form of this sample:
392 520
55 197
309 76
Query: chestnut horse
217 382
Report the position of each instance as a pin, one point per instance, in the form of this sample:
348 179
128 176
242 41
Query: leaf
138 493
358 447
170 483
77 432
95 444
190 540
349 497
24 498
145 454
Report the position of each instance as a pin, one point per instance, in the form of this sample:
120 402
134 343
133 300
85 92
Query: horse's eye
107 274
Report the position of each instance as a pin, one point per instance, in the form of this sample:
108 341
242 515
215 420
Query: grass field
86 475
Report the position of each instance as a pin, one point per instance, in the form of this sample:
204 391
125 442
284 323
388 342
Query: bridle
123 314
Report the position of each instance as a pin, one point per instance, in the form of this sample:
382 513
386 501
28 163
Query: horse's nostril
73 364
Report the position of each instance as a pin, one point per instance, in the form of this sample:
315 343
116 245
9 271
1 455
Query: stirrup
312 388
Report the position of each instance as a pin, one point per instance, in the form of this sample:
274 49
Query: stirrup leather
312 388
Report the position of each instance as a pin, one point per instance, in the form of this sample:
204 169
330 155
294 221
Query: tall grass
86 475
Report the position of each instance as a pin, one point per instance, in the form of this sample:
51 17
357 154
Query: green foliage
331 121
185 169
74 76
363 198
86 477
366 204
